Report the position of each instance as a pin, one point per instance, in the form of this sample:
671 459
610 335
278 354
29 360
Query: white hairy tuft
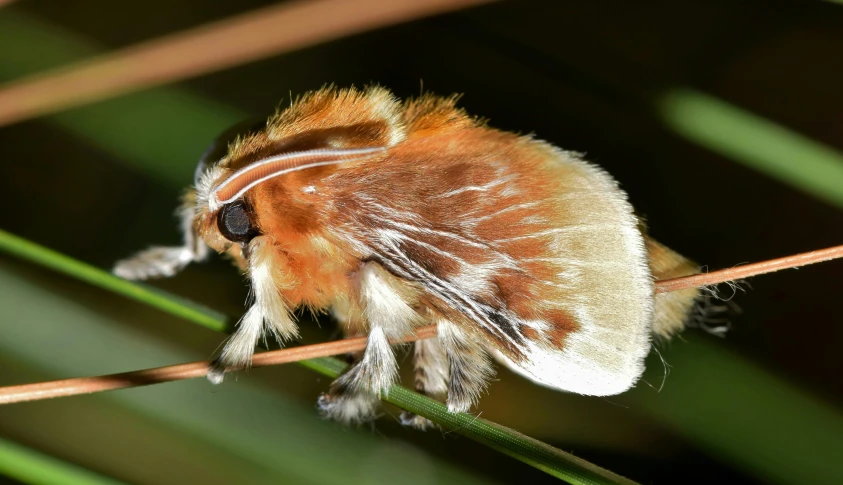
431 378
383 305
431 365
349 408
206 183
378 368
240 347
165 261
469 365
265 276
267 313
353 397
155 262
376 371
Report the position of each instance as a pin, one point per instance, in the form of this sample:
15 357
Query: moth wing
553 277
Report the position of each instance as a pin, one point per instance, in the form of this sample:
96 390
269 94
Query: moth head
220 226
322 129
227 206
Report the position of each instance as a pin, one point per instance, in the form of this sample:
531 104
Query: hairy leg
469 367
353 397
431 377
268 314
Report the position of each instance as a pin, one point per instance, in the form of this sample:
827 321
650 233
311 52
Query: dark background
586 76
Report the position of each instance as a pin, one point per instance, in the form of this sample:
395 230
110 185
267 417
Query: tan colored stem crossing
88 385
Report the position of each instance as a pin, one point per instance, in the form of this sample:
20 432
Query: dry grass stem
754 269
233 41
87 385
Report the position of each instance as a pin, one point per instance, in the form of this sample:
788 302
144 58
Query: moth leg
165 261
351 323
469 367
268 314
240 346
354 396
348 402
346 405
431 378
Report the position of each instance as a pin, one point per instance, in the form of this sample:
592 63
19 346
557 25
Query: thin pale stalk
747 270
236 40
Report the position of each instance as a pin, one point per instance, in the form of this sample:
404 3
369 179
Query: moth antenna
268 313
247 177
165 261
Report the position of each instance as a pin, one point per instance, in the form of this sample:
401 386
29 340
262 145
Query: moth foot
216 373
349 408
413 420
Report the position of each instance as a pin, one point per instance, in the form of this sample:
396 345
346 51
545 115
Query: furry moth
394 215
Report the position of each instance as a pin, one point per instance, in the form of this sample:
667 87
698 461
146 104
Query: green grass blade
30 466
151 296
756 142
530 451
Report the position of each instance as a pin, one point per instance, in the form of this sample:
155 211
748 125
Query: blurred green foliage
772 149
30 466
733 409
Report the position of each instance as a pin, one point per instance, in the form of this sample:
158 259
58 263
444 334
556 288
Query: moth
392 215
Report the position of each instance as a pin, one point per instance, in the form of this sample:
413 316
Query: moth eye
235 223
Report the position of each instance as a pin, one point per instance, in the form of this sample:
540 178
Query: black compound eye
235 223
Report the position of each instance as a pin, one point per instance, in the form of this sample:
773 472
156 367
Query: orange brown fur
313 121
